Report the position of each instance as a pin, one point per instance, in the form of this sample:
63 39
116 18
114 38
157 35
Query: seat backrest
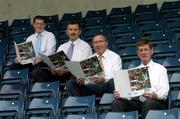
122 115
11 108
163 114
148 8
45 89
40 106
20 22
96 13
124 11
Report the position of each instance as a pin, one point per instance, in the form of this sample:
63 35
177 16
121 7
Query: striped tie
70 51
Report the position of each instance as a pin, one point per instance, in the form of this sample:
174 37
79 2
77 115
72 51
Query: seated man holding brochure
75 49
43 42
98 85
153 99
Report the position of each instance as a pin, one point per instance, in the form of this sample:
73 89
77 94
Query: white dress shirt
48 44
111 62
158 78
82 50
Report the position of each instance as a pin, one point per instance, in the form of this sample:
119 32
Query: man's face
100 44
39 25
73 31
145 53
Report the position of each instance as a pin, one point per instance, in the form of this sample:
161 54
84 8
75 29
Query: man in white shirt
81 50
101 84
155 99
46 46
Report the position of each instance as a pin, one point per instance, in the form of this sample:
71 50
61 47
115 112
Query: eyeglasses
99 42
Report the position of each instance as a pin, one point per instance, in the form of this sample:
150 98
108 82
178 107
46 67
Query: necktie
38 44
100 62
142 98
70 51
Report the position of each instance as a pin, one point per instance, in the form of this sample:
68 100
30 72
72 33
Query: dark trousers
125 105
43 74
74 89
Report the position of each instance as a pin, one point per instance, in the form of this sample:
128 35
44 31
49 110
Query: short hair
38 18
73 22
100 33
144 41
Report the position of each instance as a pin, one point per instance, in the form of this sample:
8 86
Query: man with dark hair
109 61
154 99
43 41
76 49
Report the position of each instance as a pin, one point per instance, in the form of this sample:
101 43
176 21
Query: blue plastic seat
122 115
163 114
128 53
152 27
175 80
172 64
42 107
44 90
114 20
148 8
124 11
170 6
71 16
20 22
96 13
105 102
51 19
165 50
11 109
22 75
78 104
95 22
160 37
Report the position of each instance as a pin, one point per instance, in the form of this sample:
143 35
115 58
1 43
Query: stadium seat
124 11
169 6
172 64
160 37
45 90
11 109
105 102
95 14
122 115
42 107
51 19
128 53
146 8
71 16
78 104
163 114
20 22
21 75
175 80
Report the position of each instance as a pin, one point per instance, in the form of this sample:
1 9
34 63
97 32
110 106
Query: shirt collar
75 42
149 64
104 54
42 33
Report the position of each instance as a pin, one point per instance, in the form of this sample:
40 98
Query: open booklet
25 52
86 69
56 60
132 82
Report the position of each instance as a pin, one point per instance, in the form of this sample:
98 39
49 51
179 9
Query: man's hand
17 60
98 80
80 81
60 71
37 60
116 94
151 95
